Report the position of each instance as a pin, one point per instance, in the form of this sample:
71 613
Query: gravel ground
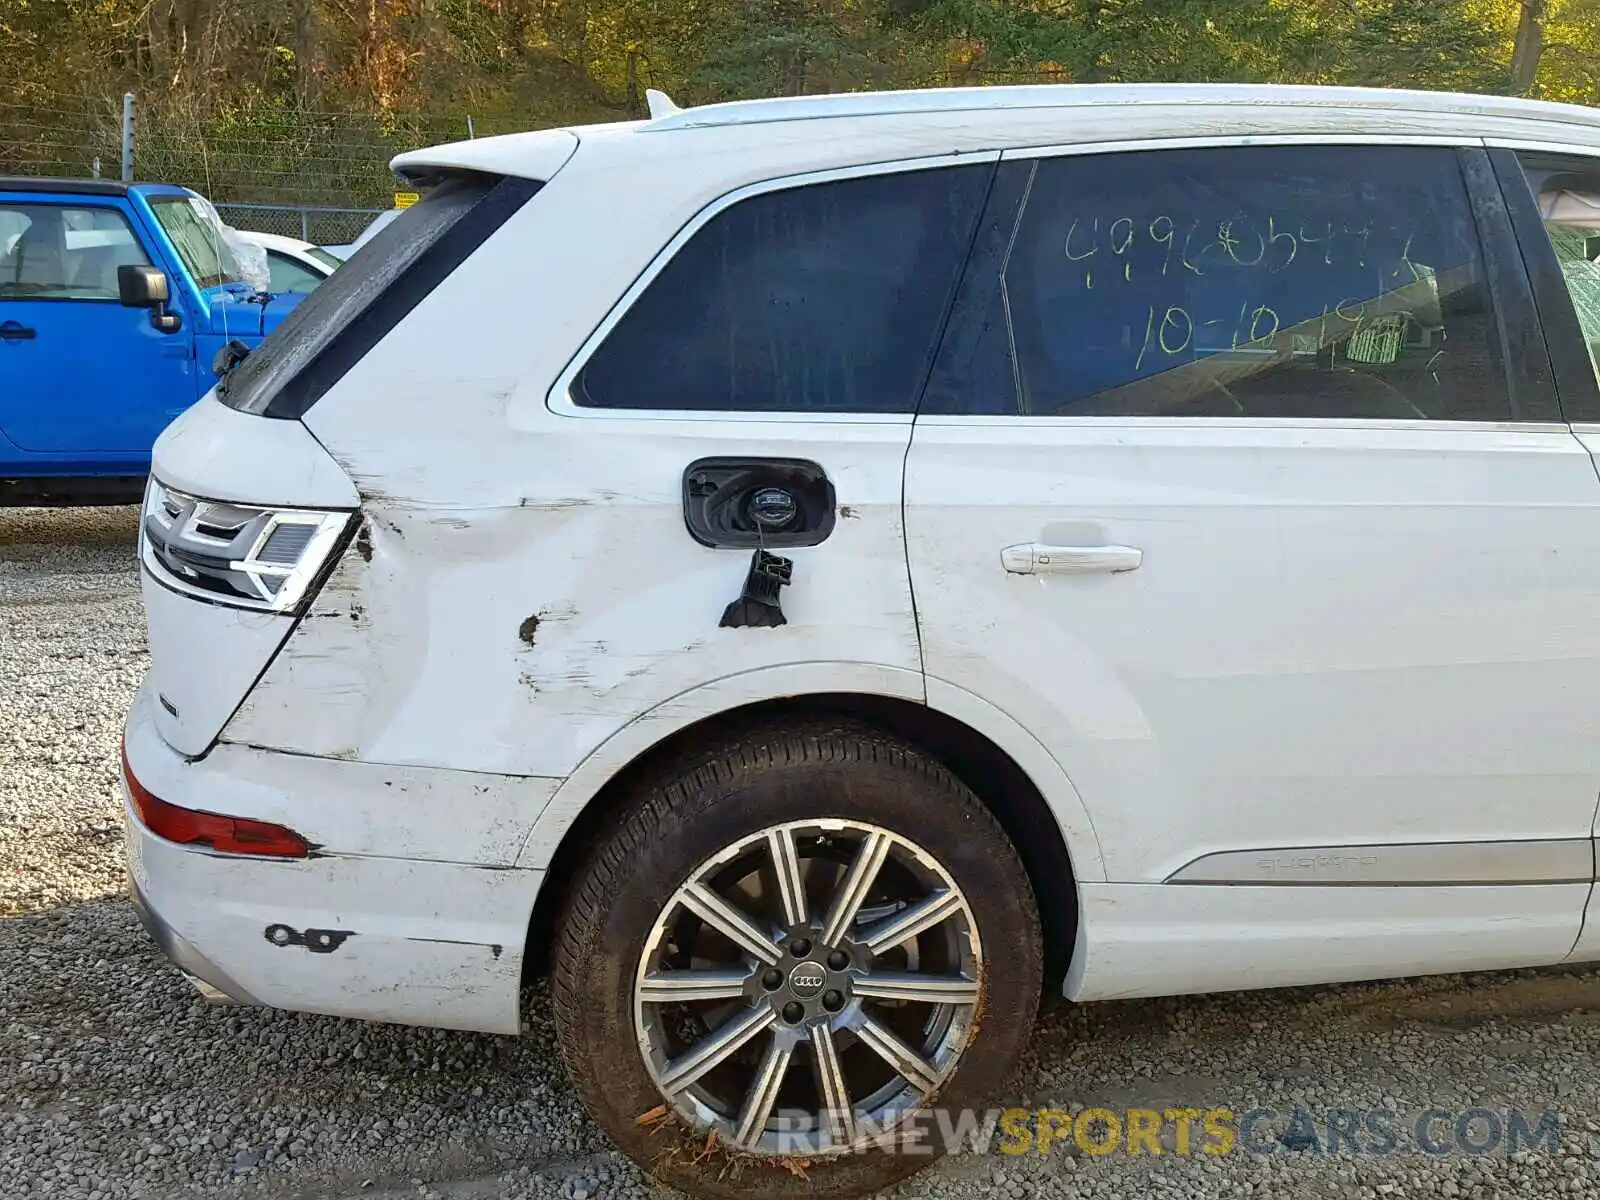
115 1080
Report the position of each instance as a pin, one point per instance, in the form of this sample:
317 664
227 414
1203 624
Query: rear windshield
329 330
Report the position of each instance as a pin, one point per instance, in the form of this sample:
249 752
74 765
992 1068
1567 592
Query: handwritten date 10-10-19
1171 331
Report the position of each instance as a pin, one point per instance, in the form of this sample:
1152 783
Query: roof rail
1069 95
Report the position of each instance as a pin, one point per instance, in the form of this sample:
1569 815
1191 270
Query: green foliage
308 99
1424 44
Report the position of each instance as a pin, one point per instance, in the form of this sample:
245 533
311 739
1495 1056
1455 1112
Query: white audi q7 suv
811 574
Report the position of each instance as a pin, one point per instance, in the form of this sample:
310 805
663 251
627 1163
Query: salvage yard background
300 104
116 1080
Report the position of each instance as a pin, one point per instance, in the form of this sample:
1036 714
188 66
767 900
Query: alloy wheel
808 987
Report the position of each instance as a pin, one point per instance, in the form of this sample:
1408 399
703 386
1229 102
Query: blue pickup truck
118 305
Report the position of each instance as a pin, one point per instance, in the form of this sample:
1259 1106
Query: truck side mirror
147 287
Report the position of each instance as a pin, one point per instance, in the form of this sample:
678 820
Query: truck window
64 252
198 240
290 276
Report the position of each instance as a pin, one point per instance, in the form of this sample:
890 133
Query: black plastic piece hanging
757 606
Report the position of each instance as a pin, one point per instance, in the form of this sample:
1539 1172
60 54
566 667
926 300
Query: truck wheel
786 955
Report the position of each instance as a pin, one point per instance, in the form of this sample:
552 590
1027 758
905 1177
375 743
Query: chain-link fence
67 136
321 176
283 156
279 169
323 226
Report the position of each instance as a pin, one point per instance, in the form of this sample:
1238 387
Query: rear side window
826 297
1265 281
353 308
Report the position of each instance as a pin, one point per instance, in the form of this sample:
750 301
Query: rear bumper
376 938
209 979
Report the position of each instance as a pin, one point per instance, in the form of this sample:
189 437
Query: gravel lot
116 1080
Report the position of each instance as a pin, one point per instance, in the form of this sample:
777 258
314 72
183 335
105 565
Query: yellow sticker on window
405 199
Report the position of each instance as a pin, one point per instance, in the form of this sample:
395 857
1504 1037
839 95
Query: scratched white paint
432 943
351 808
436 671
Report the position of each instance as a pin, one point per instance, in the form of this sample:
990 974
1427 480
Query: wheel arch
1001 762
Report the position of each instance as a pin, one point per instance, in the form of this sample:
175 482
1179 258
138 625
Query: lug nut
838 960
832 1000
771 980
800 947
793 1011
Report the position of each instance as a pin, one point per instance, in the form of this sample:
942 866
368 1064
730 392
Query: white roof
863 126
274 241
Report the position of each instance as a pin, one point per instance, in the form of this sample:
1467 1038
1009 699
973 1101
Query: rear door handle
1036 559
16 331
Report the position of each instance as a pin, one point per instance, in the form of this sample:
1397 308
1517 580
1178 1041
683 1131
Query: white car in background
378 223
295 265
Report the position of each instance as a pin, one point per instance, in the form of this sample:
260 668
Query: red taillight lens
229 835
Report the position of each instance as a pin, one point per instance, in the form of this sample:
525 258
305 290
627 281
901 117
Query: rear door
83 375
1238 487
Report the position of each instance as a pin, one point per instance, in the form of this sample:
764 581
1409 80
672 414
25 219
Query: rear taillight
227 835
240 555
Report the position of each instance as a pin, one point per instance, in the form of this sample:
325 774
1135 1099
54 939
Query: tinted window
290 276
64 252
821 298
1282 281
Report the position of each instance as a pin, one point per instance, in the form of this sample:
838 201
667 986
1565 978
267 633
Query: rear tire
780 827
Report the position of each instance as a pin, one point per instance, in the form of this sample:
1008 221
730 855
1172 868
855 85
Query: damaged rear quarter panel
517 639
527 585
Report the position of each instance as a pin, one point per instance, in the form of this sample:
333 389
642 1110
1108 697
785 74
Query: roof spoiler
531 155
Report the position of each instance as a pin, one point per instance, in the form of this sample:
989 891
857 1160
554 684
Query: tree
1529 46
1421 43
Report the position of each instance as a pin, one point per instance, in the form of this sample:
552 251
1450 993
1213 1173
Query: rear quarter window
822 298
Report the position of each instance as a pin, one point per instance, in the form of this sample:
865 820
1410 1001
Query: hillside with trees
269 97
